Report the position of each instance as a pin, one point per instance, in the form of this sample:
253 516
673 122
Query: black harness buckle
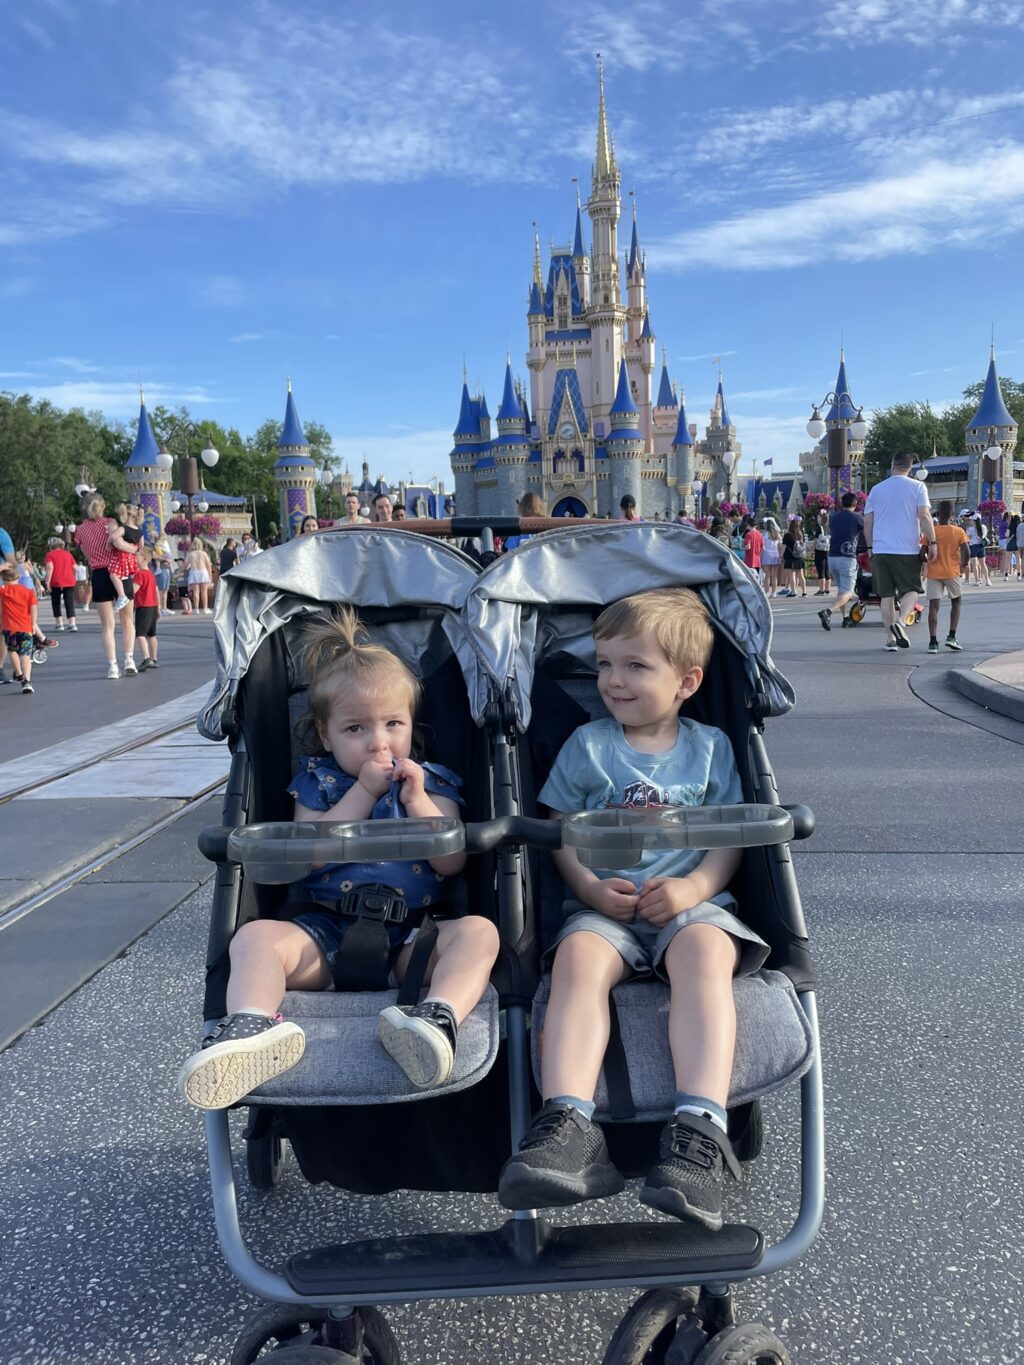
374 903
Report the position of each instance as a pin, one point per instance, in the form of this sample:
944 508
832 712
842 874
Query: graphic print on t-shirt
641 795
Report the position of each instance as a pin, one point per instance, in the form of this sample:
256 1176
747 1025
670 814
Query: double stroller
506 659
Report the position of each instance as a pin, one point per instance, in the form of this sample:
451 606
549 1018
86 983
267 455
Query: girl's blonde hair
530 505
94 507
677 617
338 658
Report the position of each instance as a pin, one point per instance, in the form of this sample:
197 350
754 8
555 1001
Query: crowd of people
130 584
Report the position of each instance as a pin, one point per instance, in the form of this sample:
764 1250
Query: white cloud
74 362
920 23
931 205
115 398
244 337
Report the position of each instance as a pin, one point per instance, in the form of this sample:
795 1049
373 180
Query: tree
901 429
42 454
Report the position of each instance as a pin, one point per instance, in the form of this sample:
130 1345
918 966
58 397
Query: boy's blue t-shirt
322 784
597 768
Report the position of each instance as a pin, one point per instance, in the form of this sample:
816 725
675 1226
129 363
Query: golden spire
604 164
537 278
289 383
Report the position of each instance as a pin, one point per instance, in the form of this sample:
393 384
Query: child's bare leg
251 1045
577 1022
268 957
422 1038
694 1152
460 965
564 1159
701 961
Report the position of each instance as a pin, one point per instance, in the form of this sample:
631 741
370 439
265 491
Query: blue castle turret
149 483
625 445
682 448
294 473
991 427
512 447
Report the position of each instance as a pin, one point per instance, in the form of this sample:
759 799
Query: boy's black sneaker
563 1159
933 646
900 635
687 1181
421 1038
242 1052
825 617
846 622
953 643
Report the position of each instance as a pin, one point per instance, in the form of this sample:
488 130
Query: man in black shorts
897 518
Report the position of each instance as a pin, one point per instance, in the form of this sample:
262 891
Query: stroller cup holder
283 851
619 837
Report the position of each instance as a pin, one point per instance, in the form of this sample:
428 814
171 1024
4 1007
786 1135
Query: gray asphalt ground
912 892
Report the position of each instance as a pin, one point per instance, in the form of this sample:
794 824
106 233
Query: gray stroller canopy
592 566
309 575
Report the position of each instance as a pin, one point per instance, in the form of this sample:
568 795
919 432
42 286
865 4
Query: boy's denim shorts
843 572
643 946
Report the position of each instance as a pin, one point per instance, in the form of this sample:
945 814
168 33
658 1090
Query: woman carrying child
363 700
671 916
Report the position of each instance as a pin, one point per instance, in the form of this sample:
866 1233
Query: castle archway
570 507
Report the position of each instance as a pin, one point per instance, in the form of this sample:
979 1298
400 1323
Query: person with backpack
794 547
977 542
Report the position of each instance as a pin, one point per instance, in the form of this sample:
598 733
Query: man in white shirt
896 519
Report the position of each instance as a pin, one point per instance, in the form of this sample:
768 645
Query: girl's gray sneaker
241 1053
421 1038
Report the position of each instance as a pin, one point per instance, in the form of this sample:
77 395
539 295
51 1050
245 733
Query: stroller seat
345 1064
774 1043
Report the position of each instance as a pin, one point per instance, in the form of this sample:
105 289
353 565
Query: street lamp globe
203 506
164 459
921 473
71 528
994 452
815 427
82 488
175 505
859 428
209 456
326 475
59 528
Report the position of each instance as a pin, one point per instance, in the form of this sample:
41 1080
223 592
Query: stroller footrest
525 1257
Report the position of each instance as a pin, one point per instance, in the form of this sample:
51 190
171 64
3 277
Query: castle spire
624 411
604 163
538 278
145 450
666 398
992 410
634 245
510 411
577 244
682 436
292 435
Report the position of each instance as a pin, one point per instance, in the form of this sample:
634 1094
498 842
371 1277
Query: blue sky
213 196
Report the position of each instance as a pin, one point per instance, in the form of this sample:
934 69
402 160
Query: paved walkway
996 683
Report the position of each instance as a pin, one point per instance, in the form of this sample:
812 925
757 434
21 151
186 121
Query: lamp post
730 459
67 531
697 489
838 435
188 469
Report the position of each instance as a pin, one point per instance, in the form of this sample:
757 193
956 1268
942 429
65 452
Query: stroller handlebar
279 852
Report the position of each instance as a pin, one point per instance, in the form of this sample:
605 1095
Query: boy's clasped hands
658 900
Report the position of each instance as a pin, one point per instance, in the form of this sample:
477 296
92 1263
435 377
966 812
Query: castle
593 430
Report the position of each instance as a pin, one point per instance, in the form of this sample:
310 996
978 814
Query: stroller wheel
857 613
747 1344
39 655
654 1324
294 1335
264 1156
746 1130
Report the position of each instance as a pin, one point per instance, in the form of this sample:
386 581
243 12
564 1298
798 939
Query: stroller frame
527 1254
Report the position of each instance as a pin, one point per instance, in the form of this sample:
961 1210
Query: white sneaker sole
221 1075
419 1048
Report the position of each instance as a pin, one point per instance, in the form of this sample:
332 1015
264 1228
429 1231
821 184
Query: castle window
606 298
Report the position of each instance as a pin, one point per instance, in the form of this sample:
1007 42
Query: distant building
593 429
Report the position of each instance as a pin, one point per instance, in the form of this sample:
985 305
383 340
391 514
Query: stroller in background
506 662
867 597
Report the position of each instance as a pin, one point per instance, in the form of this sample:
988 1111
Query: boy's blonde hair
677 617
8 573
339 657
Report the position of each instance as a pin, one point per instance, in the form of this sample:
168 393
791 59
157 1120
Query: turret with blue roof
666 397
992 410
577 242
842 409
625 444
634 258
145 450
624 413
294 472
720 403
683 436
682 446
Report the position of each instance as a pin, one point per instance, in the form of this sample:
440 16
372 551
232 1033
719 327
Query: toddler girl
124 551
362 701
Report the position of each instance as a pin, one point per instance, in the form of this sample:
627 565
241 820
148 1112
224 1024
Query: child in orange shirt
18 607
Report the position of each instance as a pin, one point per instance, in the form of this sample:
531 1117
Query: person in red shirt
59 568
146 610
18 608
753 547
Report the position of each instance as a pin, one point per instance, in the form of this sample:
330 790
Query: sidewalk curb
986 692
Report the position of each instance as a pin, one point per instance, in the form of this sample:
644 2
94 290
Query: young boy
146 609
670 915
18 607
944 571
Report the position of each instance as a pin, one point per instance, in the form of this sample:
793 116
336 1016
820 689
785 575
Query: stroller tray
612 1253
